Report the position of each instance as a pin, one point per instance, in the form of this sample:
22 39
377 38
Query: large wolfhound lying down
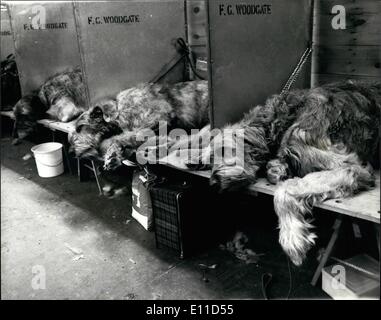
62 98
182 105
323 143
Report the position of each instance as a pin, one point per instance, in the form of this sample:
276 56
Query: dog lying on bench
91 128
182 105
62 97
318 144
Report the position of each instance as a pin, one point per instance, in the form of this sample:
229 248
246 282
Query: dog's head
230 176
64 109
232 166
109 109
96 115
24 127
91 119
27 111
84 145
119 148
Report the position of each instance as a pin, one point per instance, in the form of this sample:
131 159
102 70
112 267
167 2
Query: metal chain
296 71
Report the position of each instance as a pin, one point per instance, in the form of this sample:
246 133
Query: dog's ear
164 88
42 96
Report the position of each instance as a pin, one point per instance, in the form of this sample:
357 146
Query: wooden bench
66 127
365 205
53 125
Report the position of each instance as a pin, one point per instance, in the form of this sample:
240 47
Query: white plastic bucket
49 159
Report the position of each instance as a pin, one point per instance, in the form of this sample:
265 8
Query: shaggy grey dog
320 143
181 105
62 97
92 127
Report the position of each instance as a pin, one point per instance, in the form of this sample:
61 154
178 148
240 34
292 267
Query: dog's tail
294 199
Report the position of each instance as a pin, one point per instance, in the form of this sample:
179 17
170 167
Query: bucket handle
50 165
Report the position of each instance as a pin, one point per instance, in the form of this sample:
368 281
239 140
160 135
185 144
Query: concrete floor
91 248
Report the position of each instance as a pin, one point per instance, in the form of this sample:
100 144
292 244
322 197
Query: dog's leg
200 146
305 159
201 159
277 170
294 199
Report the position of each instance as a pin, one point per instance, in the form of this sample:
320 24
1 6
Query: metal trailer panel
120 55
252 56
197 35
7 45
350 53
44 51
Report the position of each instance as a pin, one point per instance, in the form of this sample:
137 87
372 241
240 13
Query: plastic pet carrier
183 218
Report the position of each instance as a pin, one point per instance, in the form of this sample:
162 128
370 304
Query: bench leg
79 171
14 130
82 174
327 253
377 229
96 173
66 155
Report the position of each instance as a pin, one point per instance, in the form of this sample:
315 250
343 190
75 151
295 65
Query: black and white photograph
198 151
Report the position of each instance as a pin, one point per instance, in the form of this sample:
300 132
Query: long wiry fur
181 105
64 94
62 98
318 144
27 111
92 127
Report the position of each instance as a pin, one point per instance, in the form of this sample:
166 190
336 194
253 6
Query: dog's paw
196 164
230 178
277 171
198 161
117 193
108 190
111 163
16 141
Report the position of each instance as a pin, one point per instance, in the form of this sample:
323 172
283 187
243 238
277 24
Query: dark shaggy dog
10 84
182 105
62 98
27 111
323 142
92 128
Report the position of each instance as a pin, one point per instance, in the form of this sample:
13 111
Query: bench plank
66 127
365 205
8 114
